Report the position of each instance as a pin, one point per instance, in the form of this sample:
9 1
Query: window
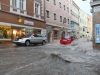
83 29
36 8
5 32
64 20
60 4
64 7
21 6
47 13
60 18
68 21
54 2
54 16
14 3
68 9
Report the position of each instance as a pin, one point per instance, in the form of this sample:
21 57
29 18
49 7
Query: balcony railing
18 11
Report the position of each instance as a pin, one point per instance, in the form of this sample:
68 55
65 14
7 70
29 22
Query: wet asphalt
37 60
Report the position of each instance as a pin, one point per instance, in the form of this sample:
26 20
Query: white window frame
14 3
68 9
60 4
64 20
18 4
64 7
17 7
55 16
60 18
21 4
54 2
38 7
48 14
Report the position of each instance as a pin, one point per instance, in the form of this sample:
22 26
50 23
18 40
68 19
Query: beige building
82 23
89 26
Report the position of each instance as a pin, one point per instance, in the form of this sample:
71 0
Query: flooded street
77 58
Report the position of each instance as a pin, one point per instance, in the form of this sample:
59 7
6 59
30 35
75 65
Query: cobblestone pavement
77 58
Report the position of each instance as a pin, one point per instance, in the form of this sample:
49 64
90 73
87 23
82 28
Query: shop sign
43 32
97 33
55 28
72 25
28 22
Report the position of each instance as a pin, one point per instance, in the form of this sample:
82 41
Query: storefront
8 32
5 32
55 32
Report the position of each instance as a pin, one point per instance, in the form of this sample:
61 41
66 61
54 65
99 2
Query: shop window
5 32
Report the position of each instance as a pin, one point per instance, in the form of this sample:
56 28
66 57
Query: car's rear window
67 36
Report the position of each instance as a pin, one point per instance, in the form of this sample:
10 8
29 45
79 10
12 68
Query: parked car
31 39
66 39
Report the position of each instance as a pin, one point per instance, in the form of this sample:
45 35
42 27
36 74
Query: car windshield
67 37
27 36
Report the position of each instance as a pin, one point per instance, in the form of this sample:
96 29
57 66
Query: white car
31 39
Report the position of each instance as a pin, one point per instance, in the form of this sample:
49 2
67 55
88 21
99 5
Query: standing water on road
50 59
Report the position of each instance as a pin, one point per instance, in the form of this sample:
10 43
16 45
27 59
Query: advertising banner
97 33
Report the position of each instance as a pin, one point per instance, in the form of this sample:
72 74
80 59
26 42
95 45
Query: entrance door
49 36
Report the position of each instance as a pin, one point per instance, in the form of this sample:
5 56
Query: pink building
58 17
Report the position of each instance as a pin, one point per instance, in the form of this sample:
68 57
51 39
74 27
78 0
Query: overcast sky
84 5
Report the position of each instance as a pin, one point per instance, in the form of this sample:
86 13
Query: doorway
49 36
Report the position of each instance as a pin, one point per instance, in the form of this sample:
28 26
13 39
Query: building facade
82 23
58 17
21 17
95 4
75 19
89 26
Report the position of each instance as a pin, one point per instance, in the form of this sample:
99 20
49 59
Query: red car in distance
66 39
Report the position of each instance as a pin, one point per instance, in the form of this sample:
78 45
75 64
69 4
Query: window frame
60 4
64 20
64 7
55 16
17 4
47 14
38 9
21 4
60 18
48 0
14 3
54 2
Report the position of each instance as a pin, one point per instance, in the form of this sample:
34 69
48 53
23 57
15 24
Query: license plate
64 40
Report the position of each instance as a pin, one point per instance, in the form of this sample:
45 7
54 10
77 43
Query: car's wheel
43 42
27 43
